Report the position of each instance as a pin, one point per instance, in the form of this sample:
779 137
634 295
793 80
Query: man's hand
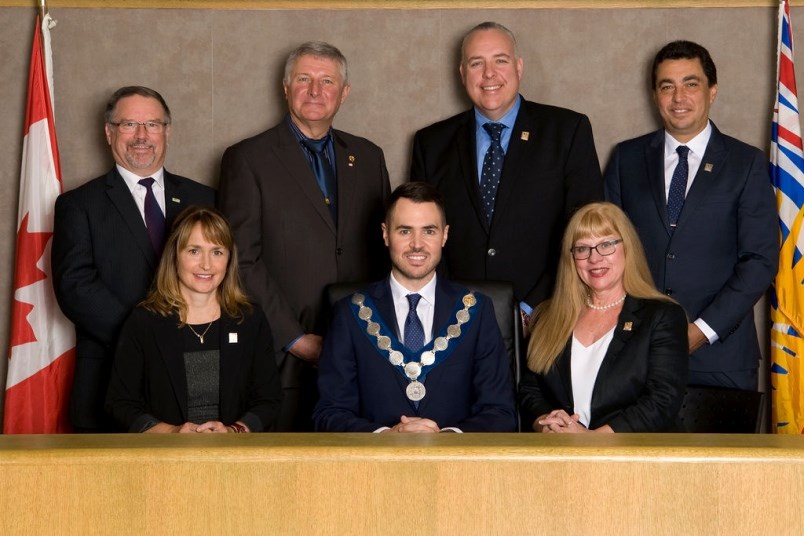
696 336
414 425
308 348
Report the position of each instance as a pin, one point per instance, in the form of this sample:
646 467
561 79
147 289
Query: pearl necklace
604 307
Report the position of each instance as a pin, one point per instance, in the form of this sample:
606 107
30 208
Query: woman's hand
559 421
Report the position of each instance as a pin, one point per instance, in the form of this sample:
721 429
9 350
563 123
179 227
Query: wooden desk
503 484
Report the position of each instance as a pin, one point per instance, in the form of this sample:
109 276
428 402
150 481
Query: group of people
217 320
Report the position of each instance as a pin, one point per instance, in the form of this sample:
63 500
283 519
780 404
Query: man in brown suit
305 202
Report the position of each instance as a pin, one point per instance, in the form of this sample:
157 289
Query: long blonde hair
165 296
555 319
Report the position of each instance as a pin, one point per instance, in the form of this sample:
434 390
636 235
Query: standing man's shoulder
88 191
548 112
258 142
202 194
734 146
351 141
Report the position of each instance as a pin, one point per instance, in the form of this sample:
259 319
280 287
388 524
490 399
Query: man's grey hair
319 49
488 25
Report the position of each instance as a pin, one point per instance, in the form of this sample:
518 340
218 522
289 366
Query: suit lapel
711 166
654 165
124 203
627 324
381 294
298 171
173 199
522 148
466 148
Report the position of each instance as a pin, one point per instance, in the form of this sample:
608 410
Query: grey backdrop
220 72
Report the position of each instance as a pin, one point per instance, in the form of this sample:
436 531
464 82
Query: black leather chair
506 309
718 410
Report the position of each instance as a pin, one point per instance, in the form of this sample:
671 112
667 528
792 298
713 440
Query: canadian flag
42 341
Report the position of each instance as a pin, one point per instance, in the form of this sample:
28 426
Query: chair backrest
717 410
506 309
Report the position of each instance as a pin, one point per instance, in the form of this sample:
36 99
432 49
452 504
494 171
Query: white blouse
585 363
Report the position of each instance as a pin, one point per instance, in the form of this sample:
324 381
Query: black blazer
149 381
641 382
103 264
724 252
551 169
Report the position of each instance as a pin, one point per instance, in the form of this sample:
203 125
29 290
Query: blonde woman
608 352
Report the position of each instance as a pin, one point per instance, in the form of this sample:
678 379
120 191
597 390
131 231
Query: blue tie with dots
414 331
154 219
492 168
678 186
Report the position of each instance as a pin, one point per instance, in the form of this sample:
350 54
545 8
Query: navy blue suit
724 252
361 391
641 381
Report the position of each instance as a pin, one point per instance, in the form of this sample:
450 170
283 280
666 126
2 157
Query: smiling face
140 152
683 96
603 275
201 265
491 72
315 89
415 233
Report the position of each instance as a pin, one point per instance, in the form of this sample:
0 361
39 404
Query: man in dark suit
107 240
303 200
511 171
414 352
705 211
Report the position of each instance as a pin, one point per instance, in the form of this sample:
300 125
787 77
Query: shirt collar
132 179
697 145
427 292
508 119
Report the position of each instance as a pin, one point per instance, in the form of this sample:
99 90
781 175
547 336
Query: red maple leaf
30 247
21 331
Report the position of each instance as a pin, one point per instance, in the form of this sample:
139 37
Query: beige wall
220 72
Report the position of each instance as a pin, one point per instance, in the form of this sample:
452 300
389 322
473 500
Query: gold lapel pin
175 199
524 136
627 326
708 167
351 160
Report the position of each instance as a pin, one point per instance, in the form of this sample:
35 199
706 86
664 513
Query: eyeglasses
153 127
581 253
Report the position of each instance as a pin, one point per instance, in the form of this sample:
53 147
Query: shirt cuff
527 309
708 332
452 429
380 429
290 345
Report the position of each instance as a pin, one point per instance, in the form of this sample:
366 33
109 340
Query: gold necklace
200 337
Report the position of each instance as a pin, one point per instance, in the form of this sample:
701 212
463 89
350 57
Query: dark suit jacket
641 382
551 168
724 252
149 380
103 264
288 245
361 391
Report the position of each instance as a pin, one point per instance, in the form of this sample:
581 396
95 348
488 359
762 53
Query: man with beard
108 238
414 352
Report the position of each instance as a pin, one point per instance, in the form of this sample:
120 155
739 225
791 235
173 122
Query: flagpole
42 9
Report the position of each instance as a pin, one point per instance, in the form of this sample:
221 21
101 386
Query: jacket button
491 252
339 251
671 256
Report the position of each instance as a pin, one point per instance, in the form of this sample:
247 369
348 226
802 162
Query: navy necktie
414 331
154 219
324 175
678 186
492 168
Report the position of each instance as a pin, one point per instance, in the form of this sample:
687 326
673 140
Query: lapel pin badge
627 326
351 160
233 337
708 167
525 135
175 199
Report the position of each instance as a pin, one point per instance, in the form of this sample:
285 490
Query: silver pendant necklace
200 337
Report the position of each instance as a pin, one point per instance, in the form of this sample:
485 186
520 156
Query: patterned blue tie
414 331
492 168
678 186
324 175
154 219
